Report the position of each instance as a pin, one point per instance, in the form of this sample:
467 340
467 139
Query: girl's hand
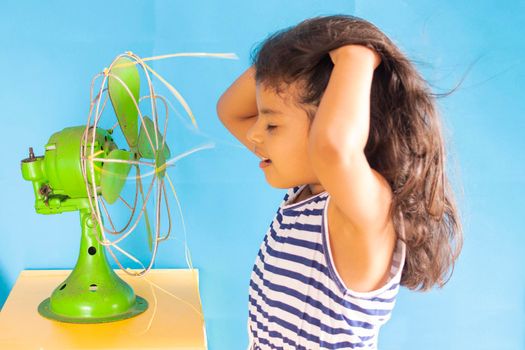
355 51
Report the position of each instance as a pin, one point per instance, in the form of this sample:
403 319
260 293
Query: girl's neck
307 192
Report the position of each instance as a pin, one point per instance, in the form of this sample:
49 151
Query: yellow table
174 319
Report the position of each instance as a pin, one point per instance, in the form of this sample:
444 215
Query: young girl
342 119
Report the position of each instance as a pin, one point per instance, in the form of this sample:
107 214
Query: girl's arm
237 107
359 194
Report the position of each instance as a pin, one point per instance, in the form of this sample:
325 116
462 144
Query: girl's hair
405 142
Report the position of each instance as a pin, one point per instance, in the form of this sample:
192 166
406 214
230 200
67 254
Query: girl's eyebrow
269 111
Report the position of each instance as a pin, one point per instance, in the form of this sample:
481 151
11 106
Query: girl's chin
279 183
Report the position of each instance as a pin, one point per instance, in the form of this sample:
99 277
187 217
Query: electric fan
85 170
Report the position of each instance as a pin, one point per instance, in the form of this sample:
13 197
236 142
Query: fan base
140 306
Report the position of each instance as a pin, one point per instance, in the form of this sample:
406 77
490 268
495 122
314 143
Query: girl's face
280 133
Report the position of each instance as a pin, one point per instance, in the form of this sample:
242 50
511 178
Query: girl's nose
253 135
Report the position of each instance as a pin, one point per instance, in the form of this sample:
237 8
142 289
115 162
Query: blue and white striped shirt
297 300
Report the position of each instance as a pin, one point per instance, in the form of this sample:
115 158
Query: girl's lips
264 163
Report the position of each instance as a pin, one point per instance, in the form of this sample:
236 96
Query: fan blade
123 103
114 175
160 164
144 145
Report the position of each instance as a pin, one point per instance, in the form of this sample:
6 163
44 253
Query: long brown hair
405 142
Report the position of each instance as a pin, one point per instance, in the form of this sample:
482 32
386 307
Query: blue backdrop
51 50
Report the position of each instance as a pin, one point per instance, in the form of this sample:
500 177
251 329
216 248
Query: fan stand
92 293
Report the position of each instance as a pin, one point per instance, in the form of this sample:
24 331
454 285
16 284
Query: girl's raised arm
360 195
237 107
337 141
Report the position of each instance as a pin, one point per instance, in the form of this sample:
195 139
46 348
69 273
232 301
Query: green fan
84 169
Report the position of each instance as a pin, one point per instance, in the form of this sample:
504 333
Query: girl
340 117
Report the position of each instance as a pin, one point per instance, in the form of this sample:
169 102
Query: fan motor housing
57 176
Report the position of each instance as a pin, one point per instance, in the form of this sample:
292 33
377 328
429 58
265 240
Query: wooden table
174 319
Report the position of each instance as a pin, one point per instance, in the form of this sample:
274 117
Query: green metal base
140 306
93 292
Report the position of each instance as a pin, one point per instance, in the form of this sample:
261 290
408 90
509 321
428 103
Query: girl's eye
271 127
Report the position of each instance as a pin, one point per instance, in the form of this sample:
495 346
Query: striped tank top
297 299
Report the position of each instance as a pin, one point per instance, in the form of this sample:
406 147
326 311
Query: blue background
51 50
